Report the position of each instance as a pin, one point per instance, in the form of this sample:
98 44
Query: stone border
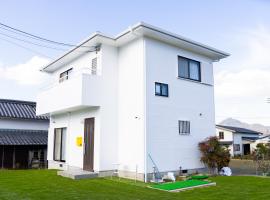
187 188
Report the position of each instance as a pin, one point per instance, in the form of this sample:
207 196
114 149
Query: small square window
161 89
184 127
64 75
221 135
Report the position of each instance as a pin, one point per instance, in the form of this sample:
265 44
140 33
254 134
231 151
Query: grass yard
45 184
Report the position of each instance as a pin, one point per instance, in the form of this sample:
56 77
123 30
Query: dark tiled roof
23 137
19 110
239 130
250 138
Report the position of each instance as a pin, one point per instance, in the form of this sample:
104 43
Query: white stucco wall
131 106
237 139
186 101
24 124
228 135
106 137
74 122
131 122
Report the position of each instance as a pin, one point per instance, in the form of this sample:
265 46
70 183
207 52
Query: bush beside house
214 156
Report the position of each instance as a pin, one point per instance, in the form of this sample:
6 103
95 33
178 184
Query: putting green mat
179 185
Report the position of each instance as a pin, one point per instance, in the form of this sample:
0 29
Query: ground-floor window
60 144
236 147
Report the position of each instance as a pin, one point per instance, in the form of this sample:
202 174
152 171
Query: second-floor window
221 135
189 69
64 75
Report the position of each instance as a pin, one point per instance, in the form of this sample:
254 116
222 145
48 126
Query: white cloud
243 83
246 83
25 73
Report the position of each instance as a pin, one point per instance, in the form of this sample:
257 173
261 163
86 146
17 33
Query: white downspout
144 118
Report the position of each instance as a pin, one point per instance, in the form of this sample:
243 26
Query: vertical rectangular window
221 135
94 66
183 70
158 88
60 144
161 89
236 147
189 69
184 127
194 70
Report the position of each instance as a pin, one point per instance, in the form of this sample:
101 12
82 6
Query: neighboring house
261 140
141 99
239 140
23 135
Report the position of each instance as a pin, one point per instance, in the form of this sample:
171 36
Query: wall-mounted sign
79 141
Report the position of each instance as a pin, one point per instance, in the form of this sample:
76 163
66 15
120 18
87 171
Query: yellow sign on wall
79 141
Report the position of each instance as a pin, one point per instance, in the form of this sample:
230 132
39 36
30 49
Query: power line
33 43
15 30
28 49
260 117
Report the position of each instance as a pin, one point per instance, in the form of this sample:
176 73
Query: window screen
184 127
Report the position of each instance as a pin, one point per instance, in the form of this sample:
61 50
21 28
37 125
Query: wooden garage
22 149
23 135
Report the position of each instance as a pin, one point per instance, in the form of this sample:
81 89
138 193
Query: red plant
213 155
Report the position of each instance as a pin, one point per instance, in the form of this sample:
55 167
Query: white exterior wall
131 122
228 135
131 106
186 101
74 122
105 149
24 124
237 139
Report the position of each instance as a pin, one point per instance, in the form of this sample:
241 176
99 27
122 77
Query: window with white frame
184 127
60 144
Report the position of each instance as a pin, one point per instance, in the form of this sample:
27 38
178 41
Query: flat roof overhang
139 30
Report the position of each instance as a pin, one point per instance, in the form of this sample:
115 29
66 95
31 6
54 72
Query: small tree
214 156
261 156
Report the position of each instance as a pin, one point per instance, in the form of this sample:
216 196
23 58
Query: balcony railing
81 89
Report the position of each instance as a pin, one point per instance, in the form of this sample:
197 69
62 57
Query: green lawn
45 184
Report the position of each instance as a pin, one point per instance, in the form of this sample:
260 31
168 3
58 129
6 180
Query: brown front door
88 157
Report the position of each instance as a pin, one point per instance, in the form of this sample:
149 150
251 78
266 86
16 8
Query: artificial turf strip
179 185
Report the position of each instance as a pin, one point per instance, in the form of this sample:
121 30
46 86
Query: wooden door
88 159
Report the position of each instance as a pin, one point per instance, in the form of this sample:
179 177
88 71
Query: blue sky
240 27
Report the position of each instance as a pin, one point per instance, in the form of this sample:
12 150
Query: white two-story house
240 141
140 99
